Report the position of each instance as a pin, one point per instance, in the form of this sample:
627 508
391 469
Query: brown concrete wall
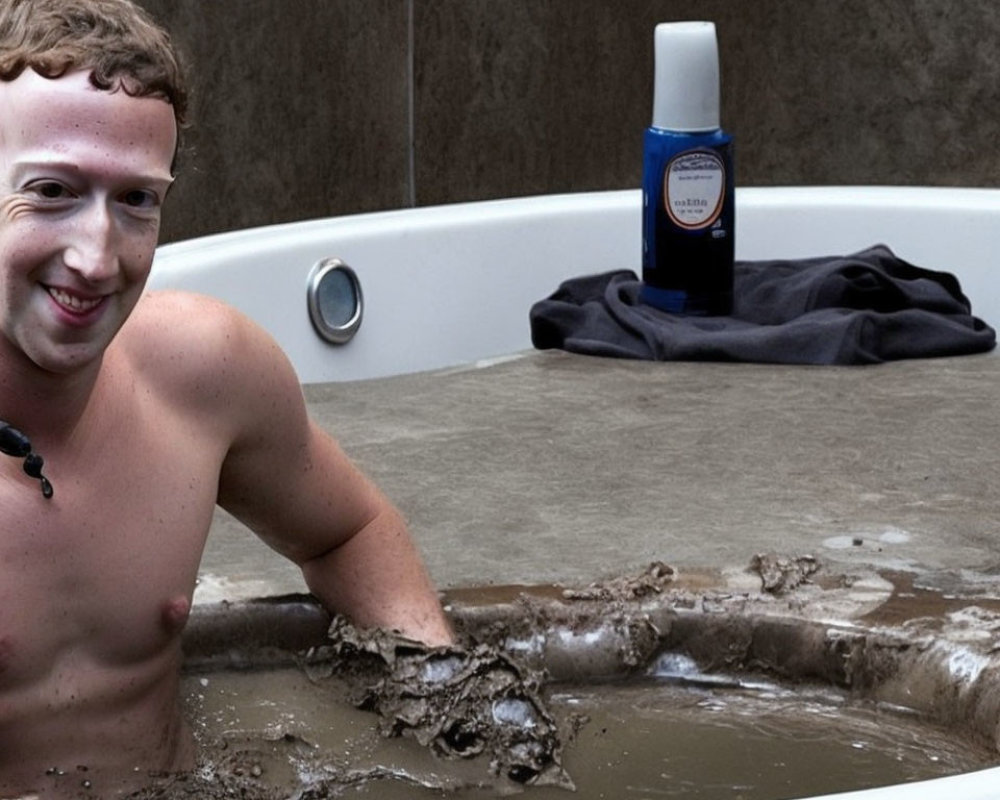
307 108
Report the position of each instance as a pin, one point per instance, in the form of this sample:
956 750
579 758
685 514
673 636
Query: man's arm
400 596
294 486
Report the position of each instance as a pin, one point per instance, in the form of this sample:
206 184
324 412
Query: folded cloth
859 309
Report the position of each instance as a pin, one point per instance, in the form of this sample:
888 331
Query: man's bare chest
98 571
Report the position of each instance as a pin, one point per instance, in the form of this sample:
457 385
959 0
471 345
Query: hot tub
446 292
476 268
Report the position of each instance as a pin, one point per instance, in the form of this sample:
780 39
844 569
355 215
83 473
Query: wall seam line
411 158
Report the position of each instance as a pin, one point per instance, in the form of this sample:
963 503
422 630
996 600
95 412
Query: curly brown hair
116 40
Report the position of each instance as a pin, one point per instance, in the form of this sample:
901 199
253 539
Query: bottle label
694 188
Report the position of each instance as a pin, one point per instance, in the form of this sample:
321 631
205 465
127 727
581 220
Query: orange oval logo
694 189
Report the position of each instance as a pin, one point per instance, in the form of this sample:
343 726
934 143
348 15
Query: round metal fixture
335 301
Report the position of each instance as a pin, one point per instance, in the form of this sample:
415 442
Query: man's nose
91 250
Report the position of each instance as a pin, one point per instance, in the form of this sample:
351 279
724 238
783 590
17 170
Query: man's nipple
174 614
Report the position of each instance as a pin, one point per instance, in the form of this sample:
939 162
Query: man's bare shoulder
197 346
179 333
169 307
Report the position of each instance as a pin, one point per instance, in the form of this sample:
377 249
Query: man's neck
45 406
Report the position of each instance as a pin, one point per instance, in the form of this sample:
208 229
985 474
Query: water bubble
513 711
674 665
440 670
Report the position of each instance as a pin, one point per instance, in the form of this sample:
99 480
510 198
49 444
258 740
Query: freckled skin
149 409
96 583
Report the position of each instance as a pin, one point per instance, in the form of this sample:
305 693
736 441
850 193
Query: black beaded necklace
14 443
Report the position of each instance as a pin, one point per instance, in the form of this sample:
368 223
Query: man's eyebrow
157 179
30 164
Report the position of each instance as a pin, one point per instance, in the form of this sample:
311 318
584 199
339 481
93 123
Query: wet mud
782 574
461 702
542 670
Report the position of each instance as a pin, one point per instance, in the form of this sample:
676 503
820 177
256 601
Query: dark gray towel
859 309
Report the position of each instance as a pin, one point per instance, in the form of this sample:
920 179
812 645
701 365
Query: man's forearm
378 579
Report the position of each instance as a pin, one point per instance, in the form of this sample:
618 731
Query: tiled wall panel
303 107
300 110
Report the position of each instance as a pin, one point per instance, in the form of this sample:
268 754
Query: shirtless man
149 408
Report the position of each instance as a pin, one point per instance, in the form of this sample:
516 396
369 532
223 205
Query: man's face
83 174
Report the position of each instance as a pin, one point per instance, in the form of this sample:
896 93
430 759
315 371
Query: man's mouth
72 302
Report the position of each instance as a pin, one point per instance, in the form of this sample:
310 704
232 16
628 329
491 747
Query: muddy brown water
642 739
653 687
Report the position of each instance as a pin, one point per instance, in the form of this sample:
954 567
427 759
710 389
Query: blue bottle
688 198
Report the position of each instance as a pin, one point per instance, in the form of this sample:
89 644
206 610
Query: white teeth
72 302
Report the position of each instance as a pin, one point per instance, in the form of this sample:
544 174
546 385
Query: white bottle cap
686 80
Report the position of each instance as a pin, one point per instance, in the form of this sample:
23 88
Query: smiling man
149 408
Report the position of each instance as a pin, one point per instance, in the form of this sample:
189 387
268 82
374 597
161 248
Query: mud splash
782 574
461 702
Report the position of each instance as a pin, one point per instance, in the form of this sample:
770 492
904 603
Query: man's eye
140 198
51 190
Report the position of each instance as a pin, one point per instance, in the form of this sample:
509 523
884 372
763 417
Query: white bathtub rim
519 250
423 217
981 784
442 216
